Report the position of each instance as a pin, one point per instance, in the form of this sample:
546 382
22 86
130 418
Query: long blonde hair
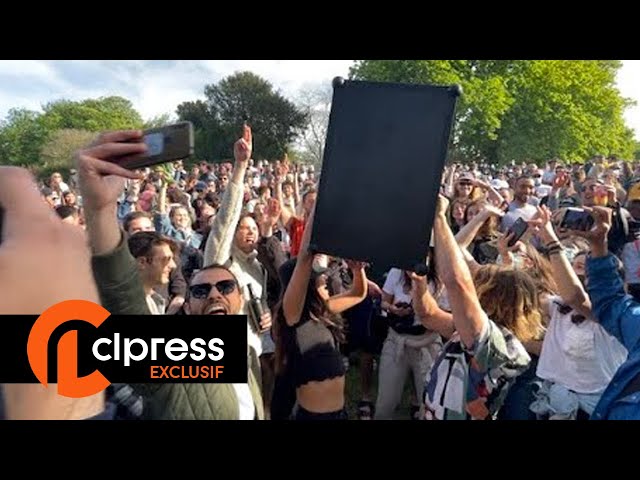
510 298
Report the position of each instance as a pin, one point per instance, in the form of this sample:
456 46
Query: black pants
302 414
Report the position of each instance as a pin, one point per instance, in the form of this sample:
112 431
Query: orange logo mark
69 384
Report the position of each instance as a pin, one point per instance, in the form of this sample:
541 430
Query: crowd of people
523 314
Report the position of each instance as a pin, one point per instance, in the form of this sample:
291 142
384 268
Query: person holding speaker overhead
308 328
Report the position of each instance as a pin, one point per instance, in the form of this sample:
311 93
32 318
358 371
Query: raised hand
243 148
355 265
101 178
442 206
272 213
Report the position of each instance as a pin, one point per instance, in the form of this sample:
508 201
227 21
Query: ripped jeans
400 355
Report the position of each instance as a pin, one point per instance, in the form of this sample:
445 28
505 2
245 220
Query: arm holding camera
569 286
101 182
616 311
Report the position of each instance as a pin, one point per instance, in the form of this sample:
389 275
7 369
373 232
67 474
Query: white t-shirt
582 357
156 304
393 286
245 401
631 260
525 212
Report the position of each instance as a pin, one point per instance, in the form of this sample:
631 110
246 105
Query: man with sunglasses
213 290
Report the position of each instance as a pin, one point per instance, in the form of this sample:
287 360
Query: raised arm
616 311
450 182
468 232
427 310
493 197
296 292
468 316
569 286
101 183
356 294
296 189
220 240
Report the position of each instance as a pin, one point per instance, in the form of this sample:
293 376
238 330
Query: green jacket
121 293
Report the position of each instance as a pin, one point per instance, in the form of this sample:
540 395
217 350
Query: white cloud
157 87
153 87
32 69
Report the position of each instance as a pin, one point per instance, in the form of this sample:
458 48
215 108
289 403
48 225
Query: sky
156 87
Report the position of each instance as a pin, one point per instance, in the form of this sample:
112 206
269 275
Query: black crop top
312 355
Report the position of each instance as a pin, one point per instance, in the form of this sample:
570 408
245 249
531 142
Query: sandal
365 410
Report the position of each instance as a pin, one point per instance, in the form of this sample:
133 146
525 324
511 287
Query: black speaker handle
338 82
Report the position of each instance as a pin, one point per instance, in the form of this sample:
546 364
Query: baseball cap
499 184
201 187
466 176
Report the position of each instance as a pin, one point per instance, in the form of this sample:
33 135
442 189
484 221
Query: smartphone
577 219
165 144
518 229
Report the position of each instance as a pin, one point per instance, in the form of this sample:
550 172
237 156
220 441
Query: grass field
353 392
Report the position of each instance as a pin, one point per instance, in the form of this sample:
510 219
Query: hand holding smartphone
164 144
577 219
518 229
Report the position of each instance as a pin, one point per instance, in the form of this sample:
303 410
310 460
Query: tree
58 152
316 103
159 121
24 133
21 137
94 115
523 109
241 97
569 109
207 130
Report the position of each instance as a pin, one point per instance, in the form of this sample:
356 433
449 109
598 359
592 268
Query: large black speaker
385 151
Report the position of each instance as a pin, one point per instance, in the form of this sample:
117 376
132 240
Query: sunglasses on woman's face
202 290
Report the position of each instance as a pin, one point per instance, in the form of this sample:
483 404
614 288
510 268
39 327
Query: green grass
353 391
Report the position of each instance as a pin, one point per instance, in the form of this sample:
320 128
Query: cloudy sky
156 87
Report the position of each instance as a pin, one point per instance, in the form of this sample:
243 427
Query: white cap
499 184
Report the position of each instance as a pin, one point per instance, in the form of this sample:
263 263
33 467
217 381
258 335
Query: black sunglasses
202 290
